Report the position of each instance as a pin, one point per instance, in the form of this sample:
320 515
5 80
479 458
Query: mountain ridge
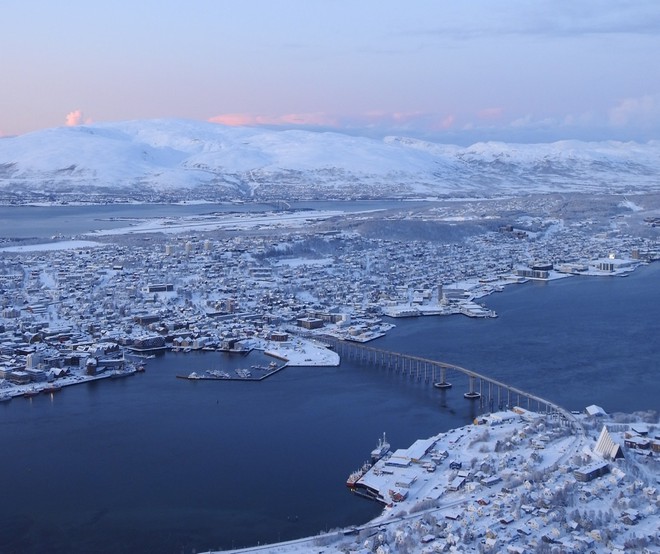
201 160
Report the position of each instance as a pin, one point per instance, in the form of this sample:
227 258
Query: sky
450 71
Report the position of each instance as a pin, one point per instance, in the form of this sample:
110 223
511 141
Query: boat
52 388
30 393
354 477
194 375
217 374
382 448
118 374
243 373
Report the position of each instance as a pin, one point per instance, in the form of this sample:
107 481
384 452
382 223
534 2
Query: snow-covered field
225 222
302 352
52 246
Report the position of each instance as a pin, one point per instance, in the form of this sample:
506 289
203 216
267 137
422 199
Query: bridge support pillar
442 384
471 394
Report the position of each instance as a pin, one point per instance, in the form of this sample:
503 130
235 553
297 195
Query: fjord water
575 341
157 464
21 222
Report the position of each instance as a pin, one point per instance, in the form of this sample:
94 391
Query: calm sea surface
152 463
46 221
574 341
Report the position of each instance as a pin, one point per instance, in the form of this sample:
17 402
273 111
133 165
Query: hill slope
176 159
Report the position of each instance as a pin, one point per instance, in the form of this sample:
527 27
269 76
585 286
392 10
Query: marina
242 374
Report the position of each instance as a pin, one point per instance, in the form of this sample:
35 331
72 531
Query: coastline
380 388
466 491
302 351
360 329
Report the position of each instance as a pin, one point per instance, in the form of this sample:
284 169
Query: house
630 517
595 411
490 481
591 471
456 484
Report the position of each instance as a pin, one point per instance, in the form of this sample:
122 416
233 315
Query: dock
207 377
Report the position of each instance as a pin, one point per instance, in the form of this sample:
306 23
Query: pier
490 393
265 372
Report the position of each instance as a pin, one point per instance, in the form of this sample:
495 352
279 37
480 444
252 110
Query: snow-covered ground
52 246
243 222
176 157
301 352
512 482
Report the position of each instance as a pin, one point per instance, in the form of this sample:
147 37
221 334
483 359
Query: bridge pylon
472 394
442 384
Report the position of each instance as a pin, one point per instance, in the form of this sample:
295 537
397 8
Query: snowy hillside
178 159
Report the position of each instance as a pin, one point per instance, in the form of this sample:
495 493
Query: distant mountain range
189 160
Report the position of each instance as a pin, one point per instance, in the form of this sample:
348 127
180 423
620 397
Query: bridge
490 393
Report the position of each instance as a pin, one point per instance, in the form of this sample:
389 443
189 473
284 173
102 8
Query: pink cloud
447 122
389 118
308 119
443 123
490 113
234 119
76 117
243 119
387 122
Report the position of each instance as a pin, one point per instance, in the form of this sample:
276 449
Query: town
514 481
73 307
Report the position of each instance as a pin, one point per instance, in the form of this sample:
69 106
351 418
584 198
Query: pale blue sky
451 71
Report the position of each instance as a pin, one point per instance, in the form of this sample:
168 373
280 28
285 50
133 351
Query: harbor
145 475
255 374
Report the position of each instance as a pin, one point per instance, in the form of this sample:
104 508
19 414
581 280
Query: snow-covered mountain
196 160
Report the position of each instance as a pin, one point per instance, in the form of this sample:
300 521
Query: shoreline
360 529
431 493
304 351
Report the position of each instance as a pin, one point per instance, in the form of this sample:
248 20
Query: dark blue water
156 464
574 341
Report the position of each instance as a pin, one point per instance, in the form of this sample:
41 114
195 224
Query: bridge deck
418 366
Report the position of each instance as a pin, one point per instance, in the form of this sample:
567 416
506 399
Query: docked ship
382 448
354 477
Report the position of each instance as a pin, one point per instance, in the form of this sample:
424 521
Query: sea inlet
152 463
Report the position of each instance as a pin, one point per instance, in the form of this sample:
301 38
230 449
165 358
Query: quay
207 377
